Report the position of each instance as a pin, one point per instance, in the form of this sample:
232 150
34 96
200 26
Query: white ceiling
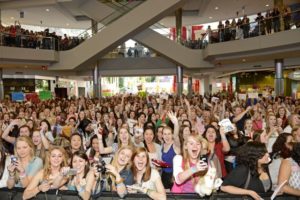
62 12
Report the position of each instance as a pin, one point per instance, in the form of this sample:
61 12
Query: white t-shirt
3 181
274 170
150 184
287 129
177 166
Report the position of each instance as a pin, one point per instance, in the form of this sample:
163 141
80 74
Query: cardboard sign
226 123
45 95
252 95
215 99
242 96
17 96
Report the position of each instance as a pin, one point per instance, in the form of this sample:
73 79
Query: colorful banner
17 96
45 95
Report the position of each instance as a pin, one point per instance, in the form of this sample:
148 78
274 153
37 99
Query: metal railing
29 41
17 193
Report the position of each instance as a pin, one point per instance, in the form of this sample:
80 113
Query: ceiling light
210 17
267 5
47 9
216 8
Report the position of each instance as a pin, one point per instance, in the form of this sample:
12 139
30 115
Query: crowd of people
242 28
151 145
16 36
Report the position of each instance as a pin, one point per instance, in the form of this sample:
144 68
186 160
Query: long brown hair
147 173
47 167
42 154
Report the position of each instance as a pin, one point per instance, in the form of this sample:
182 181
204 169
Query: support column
96 83
56 81
94 27
1 85
178 17
279 82
190 86
205 85
179 81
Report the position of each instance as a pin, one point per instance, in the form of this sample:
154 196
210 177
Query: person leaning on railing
24 164
251 176
48 177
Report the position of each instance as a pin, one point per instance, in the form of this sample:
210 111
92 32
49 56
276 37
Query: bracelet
119 184
23 175
194 169
11 177
80 190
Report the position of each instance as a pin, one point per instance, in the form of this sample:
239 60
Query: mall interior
101 48
97 69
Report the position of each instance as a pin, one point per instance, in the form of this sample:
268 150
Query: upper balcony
255 49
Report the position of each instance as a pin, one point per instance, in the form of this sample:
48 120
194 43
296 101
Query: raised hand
172 117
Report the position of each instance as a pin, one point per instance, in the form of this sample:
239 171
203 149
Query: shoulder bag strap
248 180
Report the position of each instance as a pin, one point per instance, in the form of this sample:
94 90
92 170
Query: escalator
163 46
115 33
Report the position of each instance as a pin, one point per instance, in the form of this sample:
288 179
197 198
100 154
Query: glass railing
32 41
137 51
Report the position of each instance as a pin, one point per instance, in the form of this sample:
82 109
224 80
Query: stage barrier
16 194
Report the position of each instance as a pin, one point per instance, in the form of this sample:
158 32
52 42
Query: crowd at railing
16 36
16 194
243 28
158 145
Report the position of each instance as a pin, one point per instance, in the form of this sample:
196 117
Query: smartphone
13 159
203 158
72 172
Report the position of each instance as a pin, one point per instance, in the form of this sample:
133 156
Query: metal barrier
16 194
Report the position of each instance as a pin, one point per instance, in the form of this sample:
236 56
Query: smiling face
124 157
211 135
79 164
186 133
140 161
272 121
265 159
56 158
167 135
124 136
76 142
95 144
23 149
36 138
193 148
148 136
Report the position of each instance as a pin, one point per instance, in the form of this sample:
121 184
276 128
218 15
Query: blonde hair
47 166
28 140
129 138
185 155
116 164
